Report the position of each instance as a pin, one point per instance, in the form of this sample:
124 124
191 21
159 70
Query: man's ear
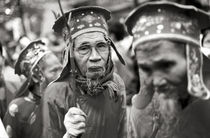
35 78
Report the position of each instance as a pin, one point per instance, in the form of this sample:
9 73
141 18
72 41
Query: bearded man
172 102
40 66
88 96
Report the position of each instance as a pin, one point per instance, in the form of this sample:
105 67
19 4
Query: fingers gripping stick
74 122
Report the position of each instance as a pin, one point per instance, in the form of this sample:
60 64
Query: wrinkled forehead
157 48
91 37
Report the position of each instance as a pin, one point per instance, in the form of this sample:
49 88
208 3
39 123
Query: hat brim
21 55
168 36
60 22
191 11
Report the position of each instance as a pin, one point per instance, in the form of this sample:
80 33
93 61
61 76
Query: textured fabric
166 20
83 19
106 118
193 122
153 21
23 119
196 87
29 57
103 83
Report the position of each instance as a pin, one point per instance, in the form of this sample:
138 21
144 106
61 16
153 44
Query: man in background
173 100
24 114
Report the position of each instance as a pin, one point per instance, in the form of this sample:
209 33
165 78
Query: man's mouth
95 69
164 90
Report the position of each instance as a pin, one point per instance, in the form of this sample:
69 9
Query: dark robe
106 118
7 94
193 122
23 118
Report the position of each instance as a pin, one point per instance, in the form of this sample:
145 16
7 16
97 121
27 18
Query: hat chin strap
116 51
196 86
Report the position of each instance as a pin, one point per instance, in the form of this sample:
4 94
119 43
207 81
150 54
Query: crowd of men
156 86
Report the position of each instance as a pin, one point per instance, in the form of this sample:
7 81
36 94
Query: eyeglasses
86 49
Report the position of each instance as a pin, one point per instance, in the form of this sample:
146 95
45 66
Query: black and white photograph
104 68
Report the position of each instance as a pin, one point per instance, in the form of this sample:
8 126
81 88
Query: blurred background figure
24 115
128 72
123 44
56 44
7 88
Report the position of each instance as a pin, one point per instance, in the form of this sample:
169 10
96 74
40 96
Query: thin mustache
93 67
163 88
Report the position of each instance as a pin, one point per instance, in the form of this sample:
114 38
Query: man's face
91 53
163 68
52 68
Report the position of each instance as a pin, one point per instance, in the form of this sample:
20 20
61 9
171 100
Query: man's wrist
67 135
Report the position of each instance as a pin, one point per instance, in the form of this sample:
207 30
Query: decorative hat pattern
83 19
172 21
29 57
157 20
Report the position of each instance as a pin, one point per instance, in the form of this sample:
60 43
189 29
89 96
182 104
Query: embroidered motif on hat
13 109
166 20
72 28
29 57
84 19
154 21
80 26
88 18
88 22
97 24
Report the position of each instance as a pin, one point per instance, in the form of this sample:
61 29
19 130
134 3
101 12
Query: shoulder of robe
15 105
119 81
57 91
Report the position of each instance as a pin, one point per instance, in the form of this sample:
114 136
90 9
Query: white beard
169 109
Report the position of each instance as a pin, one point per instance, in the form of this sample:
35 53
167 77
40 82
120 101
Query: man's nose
94 56
159 81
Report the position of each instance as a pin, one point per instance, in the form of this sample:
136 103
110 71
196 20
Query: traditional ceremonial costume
103 104
24 115
170 21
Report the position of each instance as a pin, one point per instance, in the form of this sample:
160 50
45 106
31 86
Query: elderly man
24 115
172 102
88 97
